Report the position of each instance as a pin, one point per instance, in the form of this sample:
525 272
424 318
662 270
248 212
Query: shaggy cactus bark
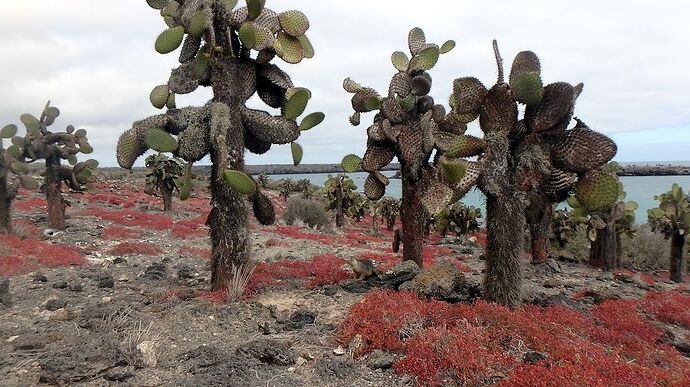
217 42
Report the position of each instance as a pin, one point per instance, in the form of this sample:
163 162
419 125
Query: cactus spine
39 143
217 44
410 126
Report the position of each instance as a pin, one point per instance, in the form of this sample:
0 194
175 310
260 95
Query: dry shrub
240 279
311 212
648 251
132 333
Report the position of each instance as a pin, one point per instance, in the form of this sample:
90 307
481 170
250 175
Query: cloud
95 60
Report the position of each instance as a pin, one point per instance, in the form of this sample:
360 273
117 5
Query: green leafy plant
672 219
285 188
229 50
262 180
458 219
408 125
564 227
40 143
359 206
340 193
165 176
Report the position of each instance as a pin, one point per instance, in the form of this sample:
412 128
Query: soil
147 320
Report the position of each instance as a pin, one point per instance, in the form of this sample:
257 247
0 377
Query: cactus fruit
39 143
230 50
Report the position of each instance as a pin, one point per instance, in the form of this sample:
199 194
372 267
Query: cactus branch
499 62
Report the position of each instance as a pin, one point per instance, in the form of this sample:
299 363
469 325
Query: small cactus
458 219
389 209
165 176
672 218
40 143
229 49
340 193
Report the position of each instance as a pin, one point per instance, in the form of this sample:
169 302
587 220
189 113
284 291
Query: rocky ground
120 297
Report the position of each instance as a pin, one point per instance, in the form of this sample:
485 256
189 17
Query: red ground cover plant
669 307
191 228
26 204
200 252
133 218
136 248
273 242
117 232
609 344
19 256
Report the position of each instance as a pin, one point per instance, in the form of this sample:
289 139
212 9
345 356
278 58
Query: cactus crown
164 171
673 213
40 143
218 41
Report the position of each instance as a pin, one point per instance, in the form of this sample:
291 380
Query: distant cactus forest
514 257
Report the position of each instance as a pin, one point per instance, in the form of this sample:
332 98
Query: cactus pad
436 197
195 143
453 170
400 61
377 157
198 24
169 40
265 127
239 182
159 96
556 104
448 46
420 85
311 121
366 100
8 131
307 46
297 153
426 59
499 111
524 62
294 23
527 88
289 48
559 184
468 95
263 209
296 104
374 189
351 163
28 182
160 140
254 8
583 149
351 86
597 189
466 146
416 40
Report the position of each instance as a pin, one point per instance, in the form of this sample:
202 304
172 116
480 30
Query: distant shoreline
651 169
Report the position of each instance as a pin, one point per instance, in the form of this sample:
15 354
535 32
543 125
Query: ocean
640 189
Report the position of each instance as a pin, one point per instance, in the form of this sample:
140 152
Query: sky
95 60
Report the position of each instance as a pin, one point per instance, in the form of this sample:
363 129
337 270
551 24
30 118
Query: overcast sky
95 60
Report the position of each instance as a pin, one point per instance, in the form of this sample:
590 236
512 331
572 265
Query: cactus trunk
339 217
505 225
539 216
167 194
228 218
413 220
53 191
677 244
603 249
5 209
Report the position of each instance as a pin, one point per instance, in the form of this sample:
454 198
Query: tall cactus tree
410 126
218 42
519 158
672 218
39 143
165 177
340 193
12 176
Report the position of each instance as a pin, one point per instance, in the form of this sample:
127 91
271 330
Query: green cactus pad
296 104
157 4
15 151
72 160
297 153
171 102
240 182
8 131
289 48
294 23
169 40
311 121
366 100
85 148
186 187
80 133
28 182
91 163
197 25
254 7
408 103
448 46
230 4
263 209
248 35
597 189
19 167
351 163
160 140
200 68
400 61
374 189
292 90
527 88
159 96
416 40
468 95
351 86
466 118
52 112
308 47
426 59
557 104
454 171
30 122
436 197
466 146
525 62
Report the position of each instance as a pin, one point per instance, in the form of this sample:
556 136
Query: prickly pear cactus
164 177
13 175
408 125
531 159
458 219
41 143
340 193
672 218
230 50
389 209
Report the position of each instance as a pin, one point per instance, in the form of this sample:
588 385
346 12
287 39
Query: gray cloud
95 60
